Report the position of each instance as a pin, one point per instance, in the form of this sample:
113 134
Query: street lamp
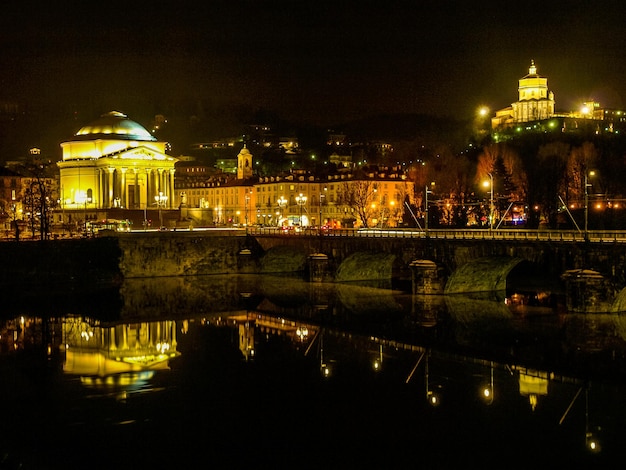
246 200
15 226
301 201
426 192
82 197
392 213
373 206
282 203
160 201
490 184
322 196
87 201
587 174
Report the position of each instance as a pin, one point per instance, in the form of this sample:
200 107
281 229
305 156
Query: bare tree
38 200
515 174
552 160
359 196
486 162
581 160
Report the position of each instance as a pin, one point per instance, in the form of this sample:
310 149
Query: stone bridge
591 274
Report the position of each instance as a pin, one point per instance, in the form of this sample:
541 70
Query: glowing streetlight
82 197
160 200
426 193
302 333
15 226
490 184
373 206
587 184
301 201
282 203
322 196
246 201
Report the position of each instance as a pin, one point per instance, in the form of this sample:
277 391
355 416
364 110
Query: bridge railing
460 234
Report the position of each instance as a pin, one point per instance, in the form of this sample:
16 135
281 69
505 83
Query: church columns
123 189
149 187
111 187
101 186
134 186
97 194
171 189
160 185
164 183
136 193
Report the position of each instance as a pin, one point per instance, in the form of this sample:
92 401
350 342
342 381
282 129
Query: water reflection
101 353
373 375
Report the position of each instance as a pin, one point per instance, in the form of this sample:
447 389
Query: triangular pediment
138 153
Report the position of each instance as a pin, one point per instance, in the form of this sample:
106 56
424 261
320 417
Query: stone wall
155 254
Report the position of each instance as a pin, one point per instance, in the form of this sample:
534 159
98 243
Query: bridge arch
486 274
367 266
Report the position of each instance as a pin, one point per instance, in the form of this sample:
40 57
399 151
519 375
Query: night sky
322 62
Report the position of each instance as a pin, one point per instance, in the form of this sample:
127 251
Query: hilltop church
535 101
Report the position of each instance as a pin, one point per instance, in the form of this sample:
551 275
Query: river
242 370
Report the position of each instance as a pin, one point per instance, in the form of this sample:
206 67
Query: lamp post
15 227
490 183
246 200
301 201
83 198
587 184
282 203
87 201
373 207
160 201
426 192
322 196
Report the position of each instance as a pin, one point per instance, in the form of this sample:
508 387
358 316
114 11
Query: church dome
114 125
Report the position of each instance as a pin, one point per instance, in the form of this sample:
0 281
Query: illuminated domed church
114 162
535 101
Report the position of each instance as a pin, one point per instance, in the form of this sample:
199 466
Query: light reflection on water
261 369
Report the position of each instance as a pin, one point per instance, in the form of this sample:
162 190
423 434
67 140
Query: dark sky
325 61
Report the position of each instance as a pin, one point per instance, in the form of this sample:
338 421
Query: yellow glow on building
115 162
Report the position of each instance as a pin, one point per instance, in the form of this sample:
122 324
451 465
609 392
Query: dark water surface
236 371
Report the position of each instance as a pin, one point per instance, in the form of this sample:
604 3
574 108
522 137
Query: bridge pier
246 263
587 291
427 277
318 267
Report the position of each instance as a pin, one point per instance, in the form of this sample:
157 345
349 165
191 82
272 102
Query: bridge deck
473 234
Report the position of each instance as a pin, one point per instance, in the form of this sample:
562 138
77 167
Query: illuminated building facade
114 162
296 198
535 101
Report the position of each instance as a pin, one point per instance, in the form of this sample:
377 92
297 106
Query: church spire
532 70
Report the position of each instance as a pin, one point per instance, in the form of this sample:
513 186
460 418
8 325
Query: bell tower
244 164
